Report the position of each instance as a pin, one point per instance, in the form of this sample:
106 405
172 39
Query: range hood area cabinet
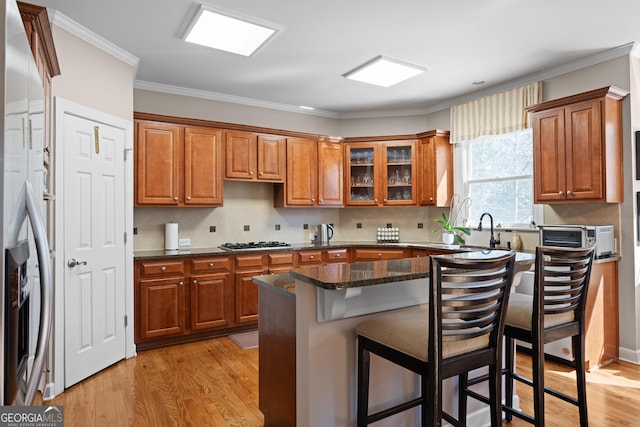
255 157
315 175
178 165
577 143
435 166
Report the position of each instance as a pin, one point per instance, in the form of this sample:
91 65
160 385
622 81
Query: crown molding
579 64
89 36
215 96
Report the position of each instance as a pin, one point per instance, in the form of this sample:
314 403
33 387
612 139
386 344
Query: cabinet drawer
204 265
309 257
165 266
280 258
249 261
336 255
375 254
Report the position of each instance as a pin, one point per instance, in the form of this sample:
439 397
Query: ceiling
500 42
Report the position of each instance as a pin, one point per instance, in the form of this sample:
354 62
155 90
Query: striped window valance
495 114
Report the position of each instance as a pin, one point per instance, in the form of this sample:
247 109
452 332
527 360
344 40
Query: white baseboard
629 355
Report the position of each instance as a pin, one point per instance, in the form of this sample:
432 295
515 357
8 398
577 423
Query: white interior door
94 246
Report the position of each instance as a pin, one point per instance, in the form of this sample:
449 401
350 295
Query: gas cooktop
254 245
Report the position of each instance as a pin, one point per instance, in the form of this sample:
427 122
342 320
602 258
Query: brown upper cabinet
381 173
254 157
177 165
314 175
577 148
435 165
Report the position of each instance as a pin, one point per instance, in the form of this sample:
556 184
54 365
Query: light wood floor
214 383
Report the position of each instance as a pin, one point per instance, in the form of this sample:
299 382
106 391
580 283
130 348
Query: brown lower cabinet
182 299
246 292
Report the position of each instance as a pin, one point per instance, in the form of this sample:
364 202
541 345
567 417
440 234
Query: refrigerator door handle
46 291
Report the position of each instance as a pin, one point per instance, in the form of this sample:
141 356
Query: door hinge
126 153
125 237
126 321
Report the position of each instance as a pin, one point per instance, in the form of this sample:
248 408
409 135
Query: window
497 174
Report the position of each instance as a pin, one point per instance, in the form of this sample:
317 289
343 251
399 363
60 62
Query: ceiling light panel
384 71
228 32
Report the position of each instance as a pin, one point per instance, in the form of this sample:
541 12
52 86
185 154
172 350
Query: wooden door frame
54 383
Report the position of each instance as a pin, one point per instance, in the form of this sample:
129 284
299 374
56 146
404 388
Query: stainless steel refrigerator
26 261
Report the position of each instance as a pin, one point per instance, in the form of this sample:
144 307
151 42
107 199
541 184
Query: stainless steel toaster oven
577 236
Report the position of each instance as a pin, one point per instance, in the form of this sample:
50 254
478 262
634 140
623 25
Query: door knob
72 262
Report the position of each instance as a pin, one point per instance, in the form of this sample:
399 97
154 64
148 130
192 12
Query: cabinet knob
210 265
311 257
181 283
175 198
195 282
375 200
385 200
260 173
251 173
431 199
337 255
163 268
379 255
561 192
313 200
568 192
188 197
321 200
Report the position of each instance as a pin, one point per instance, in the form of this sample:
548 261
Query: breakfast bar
308 344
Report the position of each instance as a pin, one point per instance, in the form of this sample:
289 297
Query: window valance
494 114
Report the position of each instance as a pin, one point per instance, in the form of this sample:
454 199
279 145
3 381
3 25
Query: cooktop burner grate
255 245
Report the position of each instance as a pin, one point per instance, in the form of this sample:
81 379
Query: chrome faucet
492 241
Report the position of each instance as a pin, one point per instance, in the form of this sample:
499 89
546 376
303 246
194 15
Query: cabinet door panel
330 174
211 301
246 296
158 160
302 185
161 307
584 151
271 158
549 155
203 166
240 155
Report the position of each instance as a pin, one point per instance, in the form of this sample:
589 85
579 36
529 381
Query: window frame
461 186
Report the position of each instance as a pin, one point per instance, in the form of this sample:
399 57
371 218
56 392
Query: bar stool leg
495 378
581 382
537 359
510 363
462 398
364 361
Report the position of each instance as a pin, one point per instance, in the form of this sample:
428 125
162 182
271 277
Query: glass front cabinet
381 173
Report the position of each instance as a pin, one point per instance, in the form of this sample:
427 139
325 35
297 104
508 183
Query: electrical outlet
184 242
312 237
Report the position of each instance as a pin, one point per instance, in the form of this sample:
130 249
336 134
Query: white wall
91 77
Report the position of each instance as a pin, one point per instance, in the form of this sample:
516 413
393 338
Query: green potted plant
451 232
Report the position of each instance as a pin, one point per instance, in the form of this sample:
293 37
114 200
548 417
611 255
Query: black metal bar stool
555 311
460 331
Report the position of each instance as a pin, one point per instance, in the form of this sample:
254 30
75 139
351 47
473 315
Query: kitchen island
308 343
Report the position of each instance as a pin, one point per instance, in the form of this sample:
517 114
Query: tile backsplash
248 215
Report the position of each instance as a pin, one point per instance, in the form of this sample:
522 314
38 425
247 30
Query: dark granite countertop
161 253
358 274
283 283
